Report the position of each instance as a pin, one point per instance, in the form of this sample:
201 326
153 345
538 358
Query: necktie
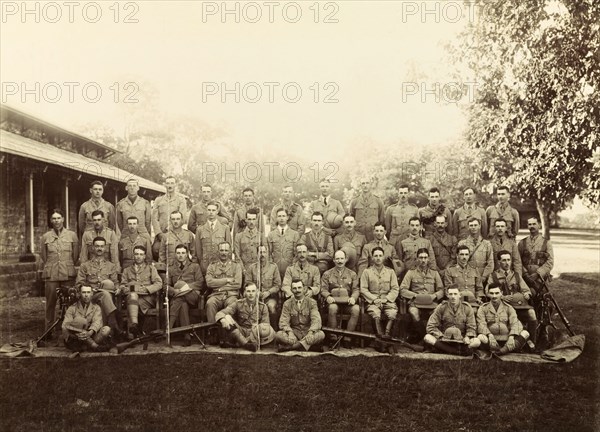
282 231
299 302
181 266
212 226
325 200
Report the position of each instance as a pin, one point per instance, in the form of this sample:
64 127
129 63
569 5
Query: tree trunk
544 213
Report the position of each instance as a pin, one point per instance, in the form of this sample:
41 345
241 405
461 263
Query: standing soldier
469 210
295 212
164 205
209 236
199 212
390 258
134 205
319 244
303 270
111 251
282 242
500 241
239 217
432 210
96 202
175 235
326 205
350 235
59 251
408 247
131 238
367 209
537 255
443 244
269 283
247 241
482 253
398 215
503 210
140 283
464 276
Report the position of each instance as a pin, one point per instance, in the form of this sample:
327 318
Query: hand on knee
430 339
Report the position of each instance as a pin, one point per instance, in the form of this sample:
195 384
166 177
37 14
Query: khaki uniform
445 316
420 282
396 220
111 249
146 283
58 253
163 207
245 246
282 247
407 251
357 239
296 219
345 279
310 276
240 215
199 216
270 280
247 318
191 274
300 323
389 253
537 255
367 210
84 220
509 214
507 244
321 243
461 220
482 255
444 248
207 242
487 315
93 273
222 293
170 241
465 278
510 281
380 284
428 214
139 208
85 318
332 206
126 245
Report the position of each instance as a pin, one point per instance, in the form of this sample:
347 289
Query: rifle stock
369 336
159 334
561 314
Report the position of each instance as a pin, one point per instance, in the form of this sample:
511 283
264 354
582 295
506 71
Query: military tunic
163 207
282 247
482 255
320 243
222 292
245 246
146 282
111 249
332 206
396 220
300 323
407 251
465 278
207 242
310 276
366 258
84 220
428 214
367 210
128 242
170 241
296 219
461 220
445 316
356 238
444 248
417 281
380 284
139 208
537 255
510 245
487 315
509 214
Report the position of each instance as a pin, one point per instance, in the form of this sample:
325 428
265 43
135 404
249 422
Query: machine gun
371 337
545 304
65 297
159 334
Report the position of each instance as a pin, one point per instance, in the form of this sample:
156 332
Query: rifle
547 300
369 336
65 297
156 335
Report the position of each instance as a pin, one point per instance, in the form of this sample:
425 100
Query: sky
368 66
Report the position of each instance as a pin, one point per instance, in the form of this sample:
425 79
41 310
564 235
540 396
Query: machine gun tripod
65 297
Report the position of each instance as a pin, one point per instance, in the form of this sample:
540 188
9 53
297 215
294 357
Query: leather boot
388 329
378 328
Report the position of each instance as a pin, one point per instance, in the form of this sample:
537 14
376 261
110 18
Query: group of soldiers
421 274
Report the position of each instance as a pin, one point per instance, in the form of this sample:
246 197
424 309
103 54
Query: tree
534 118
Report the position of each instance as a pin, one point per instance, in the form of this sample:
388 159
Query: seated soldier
465 277
309 274
246 321
379 288
451 327
339 288
82 326
390 259
141 282
269 283
499 329
407 248
515 292
423 288
224 280
319 244
300 321
184 284
102 276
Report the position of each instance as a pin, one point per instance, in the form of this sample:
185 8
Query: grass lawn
210 392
